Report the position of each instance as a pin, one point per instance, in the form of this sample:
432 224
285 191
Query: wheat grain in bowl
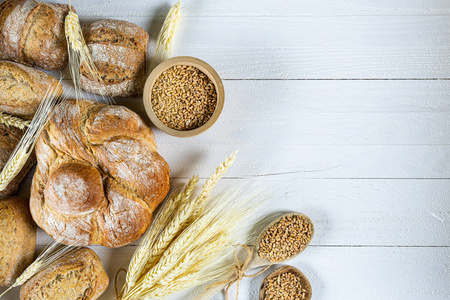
183 97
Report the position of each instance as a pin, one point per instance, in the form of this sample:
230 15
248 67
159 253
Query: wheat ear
9 120
175 226
196 257
139 260
27 274
48 256
13 167
182 243
203 252
26 144
168 258
156 242
79 55
221 219
166 36
210 184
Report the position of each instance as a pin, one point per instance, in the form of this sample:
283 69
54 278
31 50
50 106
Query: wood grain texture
339 273
341 109
357 212
293 47
247 8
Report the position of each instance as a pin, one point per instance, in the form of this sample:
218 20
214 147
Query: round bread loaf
119 51
23 88
17 239
98 177
77 275
32 33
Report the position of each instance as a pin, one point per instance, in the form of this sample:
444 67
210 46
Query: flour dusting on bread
108 191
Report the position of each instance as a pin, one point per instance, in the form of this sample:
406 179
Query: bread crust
32 33
119 51
99 177
77 275
17 239
22 89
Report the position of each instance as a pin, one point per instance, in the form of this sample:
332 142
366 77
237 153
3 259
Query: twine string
239 271
115 281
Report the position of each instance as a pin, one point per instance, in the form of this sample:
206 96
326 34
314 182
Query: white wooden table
341 108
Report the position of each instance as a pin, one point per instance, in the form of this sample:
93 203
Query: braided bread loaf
98 177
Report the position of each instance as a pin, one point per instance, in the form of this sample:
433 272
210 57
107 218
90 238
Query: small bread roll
77 275
119 51
33 33
23 88
17 239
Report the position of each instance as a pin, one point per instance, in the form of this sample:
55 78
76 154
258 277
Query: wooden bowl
303 281
184 61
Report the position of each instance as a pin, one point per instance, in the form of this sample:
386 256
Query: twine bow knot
240 269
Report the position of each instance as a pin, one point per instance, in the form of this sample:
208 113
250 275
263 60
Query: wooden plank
336 273
104 9
413 47
316 144
328 112
280 97
307 162
351 212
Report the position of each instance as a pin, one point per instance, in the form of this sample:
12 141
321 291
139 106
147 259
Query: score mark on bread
98 173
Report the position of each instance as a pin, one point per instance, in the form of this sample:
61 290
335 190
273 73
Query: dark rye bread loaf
17 239
22 89
77 275
119 51
9 138
32 33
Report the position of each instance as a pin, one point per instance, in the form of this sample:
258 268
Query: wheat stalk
163 290
79 55
26 144
192 258
200 229
202 250
166 35
9 120
176 225
52 253
139 260
168 259
223 218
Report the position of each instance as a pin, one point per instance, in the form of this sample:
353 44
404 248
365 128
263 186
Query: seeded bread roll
119 51
17 239
32 33
22 88
9 138
77 275
99 173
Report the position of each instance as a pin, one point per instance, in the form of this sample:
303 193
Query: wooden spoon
285 269
256 260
